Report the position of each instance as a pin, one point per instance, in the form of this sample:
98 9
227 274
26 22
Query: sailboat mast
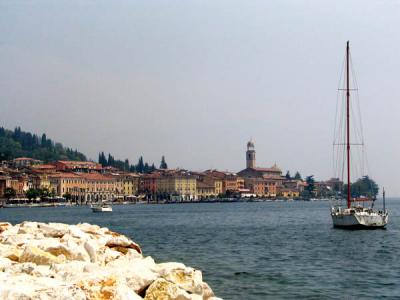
348 122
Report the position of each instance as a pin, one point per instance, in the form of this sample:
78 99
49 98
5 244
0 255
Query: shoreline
163 202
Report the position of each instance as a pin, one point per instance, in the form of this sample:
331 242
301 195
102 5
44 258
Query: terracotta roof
25 158
43 167
80 163
64 175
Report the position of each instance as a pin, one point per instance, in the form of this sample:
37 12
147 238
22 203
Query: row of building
86 182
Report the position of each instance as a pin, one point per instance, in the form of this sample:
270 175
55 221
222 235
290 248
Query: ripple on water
256 250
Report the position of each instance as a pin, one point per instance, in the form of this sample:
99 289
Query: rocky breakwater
60 261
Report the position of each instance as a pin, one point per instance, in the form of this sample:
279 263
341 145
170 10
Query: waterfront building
99 187
289 193
4 183
148 184
44 168
109 170
23 162
39 176
118 186
205 189
250 155
40 181
264 182
68 183
335 184
77 166
130 185
227 181
177 184
19 183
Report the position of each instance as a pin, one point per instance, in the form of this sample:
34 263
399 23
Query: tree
297 176
45 193
310 185
44 140
364 186
32 193
67 196
140 165
102 159
288 175
126 165
163 164
9 193
110 161
19 143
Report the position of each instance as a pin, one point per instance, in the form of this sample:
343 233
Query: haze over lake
194 81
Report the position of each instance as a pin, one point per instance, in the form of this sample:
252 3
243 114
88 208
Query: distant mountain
20 143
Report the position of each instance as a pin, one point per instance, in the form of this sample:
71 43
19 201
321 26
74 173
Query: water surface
274 250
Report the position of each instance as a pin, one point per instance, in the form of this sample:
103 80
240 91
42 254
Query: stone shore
84 261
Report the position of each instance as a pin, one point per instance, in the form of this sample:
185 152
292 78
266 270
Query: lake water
274 250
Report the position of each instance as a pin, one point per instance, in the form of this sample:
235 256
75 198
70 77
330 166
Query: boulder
165 290
188 279
4 226
38 256
55 230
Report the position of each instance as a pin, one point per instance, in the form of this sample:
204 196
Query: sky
195 80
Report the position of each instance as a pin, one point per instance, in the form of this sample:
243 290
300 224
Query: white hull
101 208
358 218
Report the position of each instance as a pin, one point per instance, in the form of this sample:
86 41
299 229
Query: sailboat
354 216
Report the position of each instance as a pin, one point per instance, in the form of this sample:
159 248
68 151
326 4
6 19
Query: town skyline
188 82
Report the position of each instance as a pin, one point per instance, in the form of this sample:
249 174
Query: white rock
138 273
38 256
10 230
207 291
4 226
165 268
5 263
88 228
163 289
17 239
91 249
188 279
53 229
76 232
28 227
73 262
69 271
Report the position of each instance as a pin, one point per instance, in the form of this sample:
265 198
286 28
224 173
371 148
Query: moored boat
355 215
101 207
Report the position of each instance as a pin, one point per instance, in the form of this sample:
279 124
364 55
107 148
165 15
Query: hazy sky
194 80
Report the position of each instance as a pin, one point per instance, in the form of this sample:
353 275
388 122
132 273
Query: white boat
358 217
101 207
353 215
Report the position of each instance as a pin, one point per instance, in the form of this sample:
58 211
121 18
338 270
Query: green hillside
19 143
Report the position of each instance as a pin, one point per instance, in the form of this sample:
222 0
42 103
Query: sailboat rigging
354 216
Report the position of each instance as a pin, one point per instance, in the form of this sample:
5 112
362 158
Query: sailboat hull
351 219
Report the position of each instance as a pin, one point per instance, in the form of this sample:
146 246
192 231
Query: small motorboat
101 207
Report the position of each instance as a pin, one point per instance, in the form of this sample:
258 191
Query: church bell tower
250 155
